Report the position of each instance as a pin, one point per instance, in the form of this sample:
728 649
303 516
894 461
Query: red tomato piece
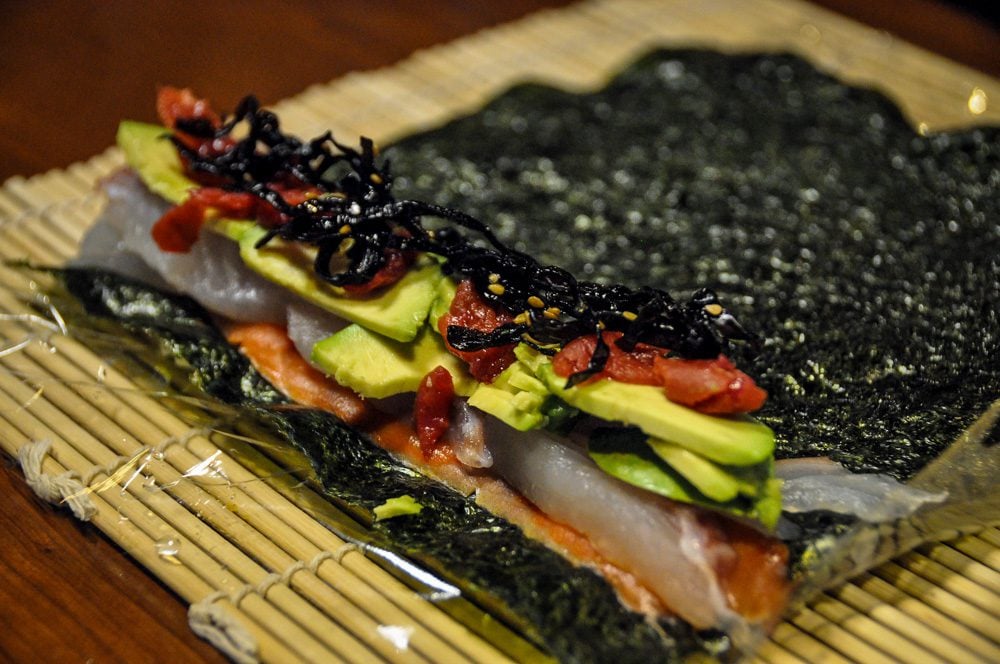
173 104
178 229
470 310
396 264
710 386
634 367
432 407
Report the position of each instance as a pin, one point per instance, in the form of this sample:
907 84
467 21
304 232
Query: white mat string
62 488
217 626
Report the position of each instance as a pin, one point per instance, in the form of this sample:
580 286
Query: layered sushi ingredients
608 408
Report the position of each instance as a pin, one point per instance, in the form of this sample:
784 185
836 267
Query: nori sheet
866 254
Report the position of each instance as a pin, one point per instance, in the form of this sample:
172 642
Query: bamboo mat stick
962 587
14 189
804 645
95 168
212 571
9 207
58 239
986 624
979 550
59 186
43 248
834 636
35 189
963 565
929 616
867 630
71 221
80 176
918 633
770 651
87 174
991 535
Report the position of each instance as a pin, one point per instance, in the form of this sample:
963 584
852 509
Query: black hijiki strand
355 216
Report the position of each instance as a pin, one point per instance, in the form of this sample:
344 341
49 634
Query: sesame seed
713 309
496 289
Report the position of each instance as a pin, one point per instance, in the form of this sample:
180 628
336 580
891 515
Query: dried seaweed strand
354 214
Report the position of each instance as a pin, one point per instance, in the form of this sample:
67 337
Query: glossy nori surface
568 610
866 254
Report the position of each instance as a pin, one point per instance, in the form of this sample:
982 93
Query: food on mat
612 411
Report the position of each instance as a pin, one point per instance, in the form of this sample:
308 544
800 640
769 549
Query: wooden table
69 72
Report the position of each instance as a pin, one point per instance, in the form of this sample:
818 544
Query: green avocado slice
398 311
736 441
155 159
516 398
378 367
711 479
629 455
637 466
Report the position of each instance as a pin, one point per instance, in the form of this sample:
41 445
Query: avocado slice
736 441
398 311
155 159
378 367
628 458
516 398
631 456
709 478
446 290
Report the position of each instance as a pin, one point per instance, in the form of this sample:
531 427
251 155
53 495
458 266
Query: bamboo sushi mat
253 551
